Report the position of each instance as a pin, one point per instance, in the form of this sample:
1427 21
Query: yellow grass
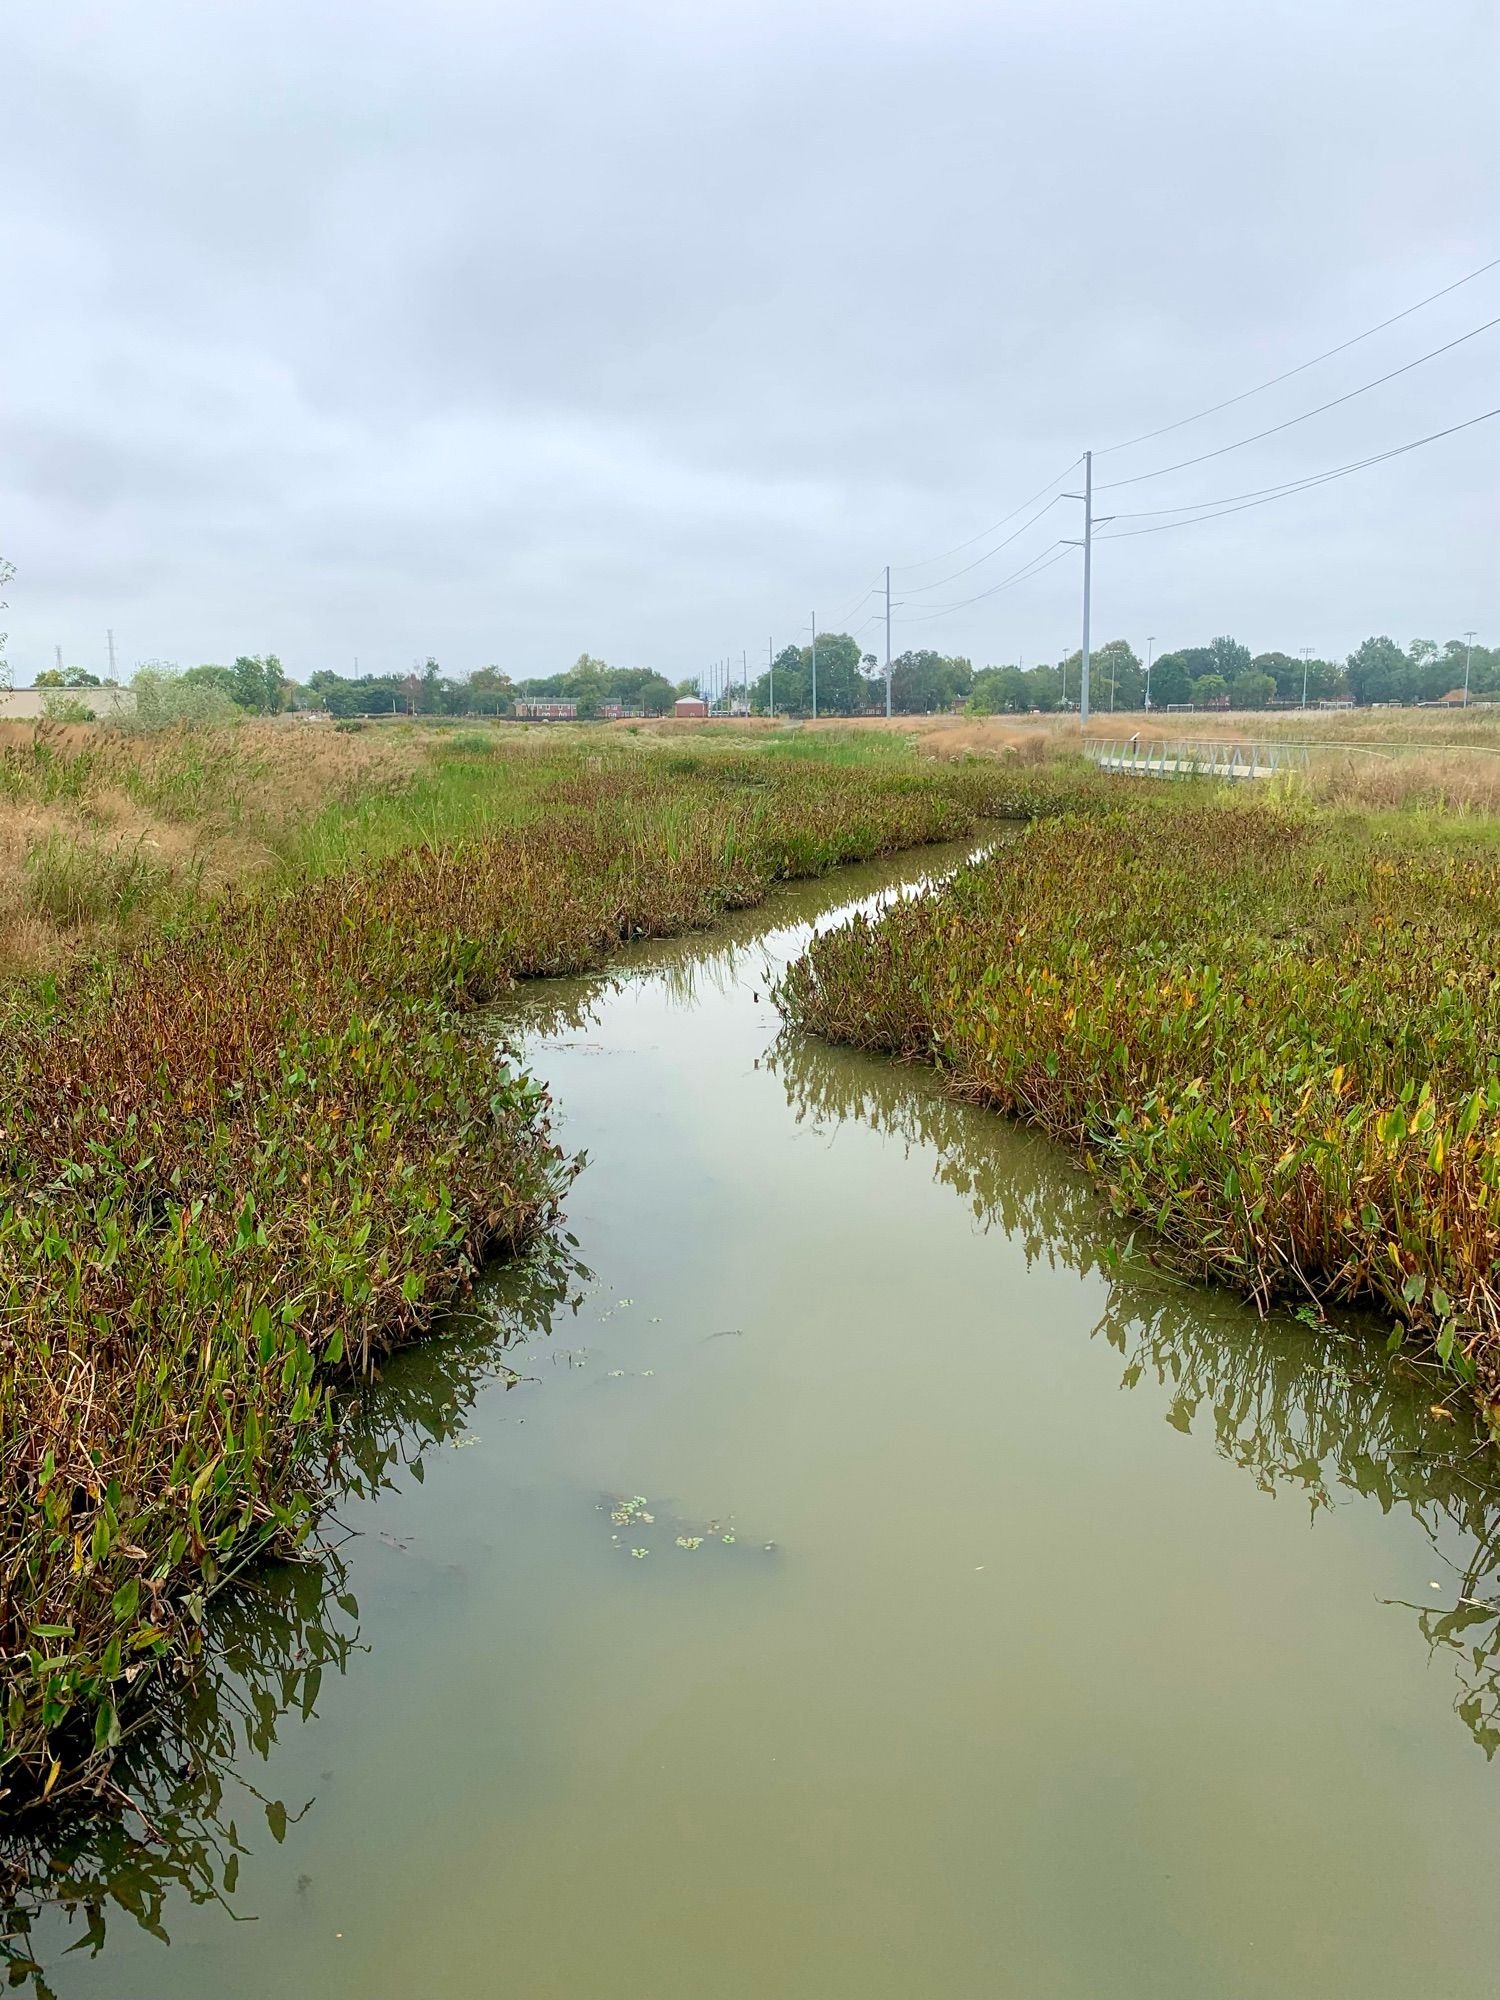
161 814
1378 758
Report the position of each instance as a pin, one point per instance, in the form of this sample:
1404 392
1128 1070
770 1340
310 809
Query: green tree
1285 672
491 692
66 677
927 683
1380 671
1171 681
1252 690
371 694
1209 690
1228 658
259 684
789 680
641 687
587 683
1117 678
842 686
225 679
1483 663
1000 691
164 696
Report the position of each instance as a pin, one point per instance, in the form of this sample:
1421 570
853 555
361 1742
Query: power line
868 592
914 589
1027 570
1292 485
1302 366
958 549
1238 503
1135 478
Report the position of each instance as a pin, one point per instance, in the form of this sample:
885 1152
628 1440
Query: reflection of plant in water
1029 1190
1471 1632
1294 1401
267 1647
549 1007
174 1821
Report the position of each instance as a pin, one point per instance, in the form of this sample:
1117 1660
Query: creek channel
838 1574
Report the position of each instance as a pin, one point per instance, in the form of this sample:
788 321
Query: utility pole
1088 564
887 642
771 671
745 678
1087 497
58 651
1306 652
110 639
1468 655
815 666
1150 650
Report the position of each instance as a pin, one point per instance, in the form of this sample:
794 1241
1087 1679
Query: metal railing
1163 758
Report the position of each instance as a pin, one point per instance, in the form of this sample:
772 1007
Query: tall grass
1275 1031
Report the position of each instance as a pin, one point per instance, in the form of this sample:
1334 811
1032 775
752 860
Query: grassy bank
255 1146
1273 1028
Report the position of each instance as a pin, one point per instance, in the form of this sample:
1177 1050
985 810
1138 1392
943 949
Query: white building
30 704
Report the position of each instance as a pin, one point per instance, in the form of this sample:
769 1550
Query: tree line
1224 673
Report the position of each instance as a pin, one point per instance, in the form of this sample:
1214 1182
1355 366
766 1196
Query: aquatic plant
1274 1031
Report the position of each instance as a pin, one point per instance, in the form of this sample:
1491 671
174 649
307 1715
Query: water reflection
183 1807
1313 1407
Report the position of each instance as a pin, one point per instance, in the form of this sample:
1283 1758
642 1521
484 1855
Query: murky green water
1004 1624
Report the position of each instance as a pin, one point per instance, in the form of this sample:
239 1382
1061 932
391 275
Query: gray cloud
499 333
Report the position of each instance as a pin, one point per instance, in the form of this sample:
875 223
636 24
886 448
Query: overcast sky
502 333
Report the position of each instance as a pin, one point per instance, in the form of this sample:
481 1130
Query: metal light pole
1150 650
1468 655
815 666
1306 652
771 670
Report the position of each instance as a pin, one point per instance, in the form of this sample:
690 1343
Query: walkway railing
1160 758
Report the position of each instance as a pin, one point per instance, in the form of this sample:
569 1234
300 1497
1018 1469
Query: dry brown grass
1437 779
147 818
1004 736
1377 758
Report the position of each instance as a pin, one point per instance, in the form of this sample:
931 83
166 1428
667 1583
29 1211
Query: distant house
618 711
1454 698
547 711
690 705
